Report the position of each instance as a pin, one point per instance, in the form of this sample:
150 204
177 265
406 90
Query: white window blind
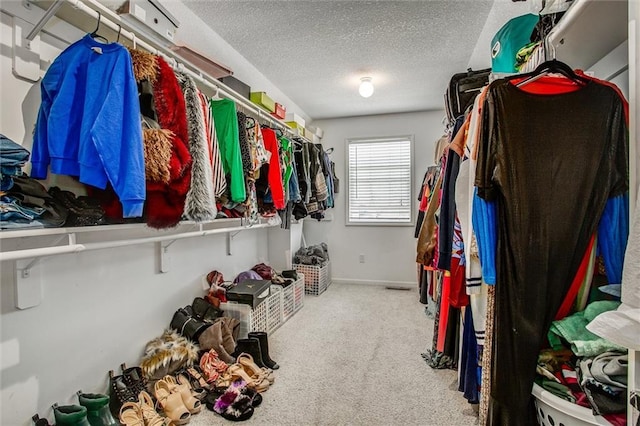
379 181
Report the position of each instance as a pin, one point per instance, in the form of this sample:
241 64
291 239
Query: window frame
374 139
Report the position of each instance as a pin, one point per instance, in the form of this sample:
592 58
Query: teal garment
572 329
226 124
509 39
558 389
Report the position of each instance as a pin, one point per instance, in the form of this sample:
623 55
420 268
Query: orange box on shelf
280 111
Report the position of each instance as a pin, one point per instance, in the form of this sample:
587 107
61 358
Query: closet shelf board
588 31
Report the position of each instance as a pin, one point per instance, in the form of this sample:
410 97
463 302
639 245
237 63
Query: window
379 176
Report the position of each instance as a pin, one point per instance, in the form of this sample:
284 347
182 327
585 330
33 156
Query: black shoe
250 346
134 379
119 393
264 349
37 421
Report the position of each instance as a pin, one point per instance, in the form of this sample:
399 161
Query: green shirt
226 124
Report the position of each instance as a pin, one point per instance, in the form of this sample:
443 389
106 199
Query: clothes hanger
119 31
551 66
94 35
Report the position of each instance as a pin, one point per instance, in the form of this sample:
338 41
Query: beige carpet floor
351 356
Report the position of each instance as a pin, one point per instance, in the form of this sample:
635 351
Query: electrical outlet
361 258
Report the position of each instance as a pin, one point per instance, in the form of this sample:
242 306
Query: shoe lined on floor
131 414
233 405
70 415
171 403
119 393
134 379
97 405
37 421
259 383
196 390
184 390
250 346
212 366
246 361
264 349
149 413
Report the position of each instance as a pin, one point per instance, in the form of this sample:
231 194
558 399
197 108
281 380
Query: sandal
197 377
149 414
224 381
171 403
131 415
184 389
259 383
233 405
212 366
246 360
197 391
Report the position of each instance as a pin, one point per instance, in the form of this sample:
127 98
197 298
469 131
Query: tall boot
264 349
212 338
250 346
228 341
97 406
70 415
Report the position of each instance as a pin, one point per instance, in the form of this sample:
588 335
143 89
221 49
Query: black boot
250 346
264 349
134 379
119 393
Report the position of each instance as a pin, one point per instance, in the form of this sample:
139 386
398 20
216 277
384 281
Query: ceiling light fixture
366 87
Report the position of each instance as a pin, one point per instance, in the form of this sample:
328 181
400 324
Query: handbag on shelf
463 89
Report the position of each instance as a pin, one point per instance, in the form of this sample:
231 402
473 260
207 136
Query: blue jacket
89 122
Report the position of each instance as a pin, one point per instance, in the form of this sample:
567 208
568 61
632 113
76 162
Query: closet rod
116 23
75 248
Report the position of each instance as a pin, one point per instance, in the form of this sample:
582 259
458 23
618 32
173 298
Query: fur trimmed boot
264 349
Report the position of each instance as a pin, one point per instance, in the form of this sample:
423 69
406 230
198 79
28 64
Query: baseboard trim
378 283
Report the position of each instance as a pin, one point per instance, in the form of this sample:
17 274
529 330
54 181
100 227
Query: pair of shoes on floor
177 399
257 378
236 403
142 413
125 387
93 410
257 345
212 366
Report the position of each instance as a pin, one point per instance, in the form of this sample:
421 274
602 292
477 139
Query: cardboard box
150 14
207 65
315 131
293 117
280 111
261 99
237 85
250 292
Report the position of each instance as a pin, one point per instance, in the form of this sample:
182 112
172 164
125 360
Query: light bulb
366 87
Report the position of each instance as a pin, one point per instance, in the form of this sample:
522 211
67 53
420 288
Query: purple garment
247 275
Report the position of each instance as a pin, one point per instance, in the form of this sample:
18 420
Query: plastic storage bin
267 316
554 411
316 278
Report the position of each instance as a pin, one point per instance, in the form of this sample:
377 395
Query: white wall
100 307
389 250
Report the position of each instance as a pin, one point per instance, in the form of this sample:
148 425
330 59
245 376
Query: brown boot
212 339
228 342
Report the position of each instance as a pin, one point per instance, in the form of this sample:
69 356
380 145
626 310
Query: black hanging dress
550 161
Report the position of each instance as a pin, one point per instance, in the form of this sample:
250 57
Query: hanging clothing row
148 143
533 182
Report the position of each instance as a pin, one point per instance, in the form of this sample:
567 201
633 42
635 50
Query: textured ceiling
316 51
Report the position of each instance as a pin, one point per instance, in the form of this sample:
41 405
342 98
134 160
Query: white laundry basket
554 411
